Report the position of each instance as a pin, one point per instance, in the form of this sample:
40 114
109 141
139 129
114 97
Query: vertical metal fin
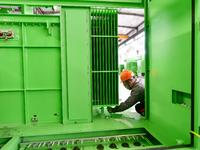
104 56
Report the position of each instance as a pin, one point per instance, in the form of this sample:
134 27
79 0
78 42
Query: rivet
5 23
40 24
26 23
12 23
53 24
19 23
33 24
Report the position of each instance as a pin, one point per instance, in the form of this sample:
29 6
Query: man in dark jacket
137 87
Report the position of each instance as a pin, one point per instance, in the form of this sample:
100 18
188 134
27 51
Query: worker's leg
140 108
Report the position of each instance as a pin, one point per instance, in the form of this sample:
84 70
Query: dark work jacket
137 94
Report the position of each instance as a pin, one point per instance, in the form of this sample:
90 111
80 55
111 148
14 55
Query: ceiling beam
131 27
136 28
132 14
134 35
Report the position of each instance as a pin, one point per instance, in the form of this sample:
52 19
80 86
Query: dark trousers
140 108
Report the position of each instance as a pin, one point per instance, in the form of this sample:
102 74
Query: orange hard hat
126 74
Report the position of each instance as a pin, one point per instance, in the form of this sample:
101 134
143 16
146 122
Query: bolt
26 23
40 24
33 24
35 17
5 23
12 23
53 24
19 23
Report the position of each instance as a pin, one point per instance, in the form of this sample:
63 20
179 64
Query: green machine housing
57 73
131 64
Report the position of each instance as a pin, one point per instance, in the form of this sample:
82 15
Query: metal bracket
49 27
6 34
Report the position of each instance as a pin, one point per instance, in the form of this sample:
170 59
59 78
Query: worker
137 87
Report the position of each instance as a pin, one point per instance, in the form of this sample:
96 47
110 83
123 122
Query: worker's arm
130 101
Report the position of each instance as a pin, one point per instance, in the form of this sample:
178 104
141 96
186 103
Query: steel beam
134 35
136 28
127 27
84 3
132 14
140 24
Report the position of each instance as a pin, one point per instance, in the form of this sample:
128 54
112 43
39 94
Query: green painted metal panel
165 52
63 63
30 64
35 30
43 68
11 76
104 57
197 74
12 107
45 106
79 96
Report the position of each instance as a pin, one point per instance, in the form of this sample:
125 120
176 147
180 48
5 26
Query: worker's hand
109 109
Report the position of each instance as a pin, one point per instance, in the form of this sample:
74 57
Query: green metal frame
197 74
151 124
82 3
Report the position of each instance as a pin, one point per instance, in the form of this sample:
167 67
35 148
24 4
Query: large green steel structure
56 70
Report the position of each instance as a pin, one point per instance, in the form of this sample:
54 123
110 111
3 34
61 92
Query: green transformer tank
59 72
131 64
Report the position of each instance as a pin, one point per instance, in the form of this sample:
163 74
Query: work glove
109 109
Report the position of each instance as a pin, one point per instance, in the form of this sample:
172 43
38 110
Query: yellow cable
195 133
